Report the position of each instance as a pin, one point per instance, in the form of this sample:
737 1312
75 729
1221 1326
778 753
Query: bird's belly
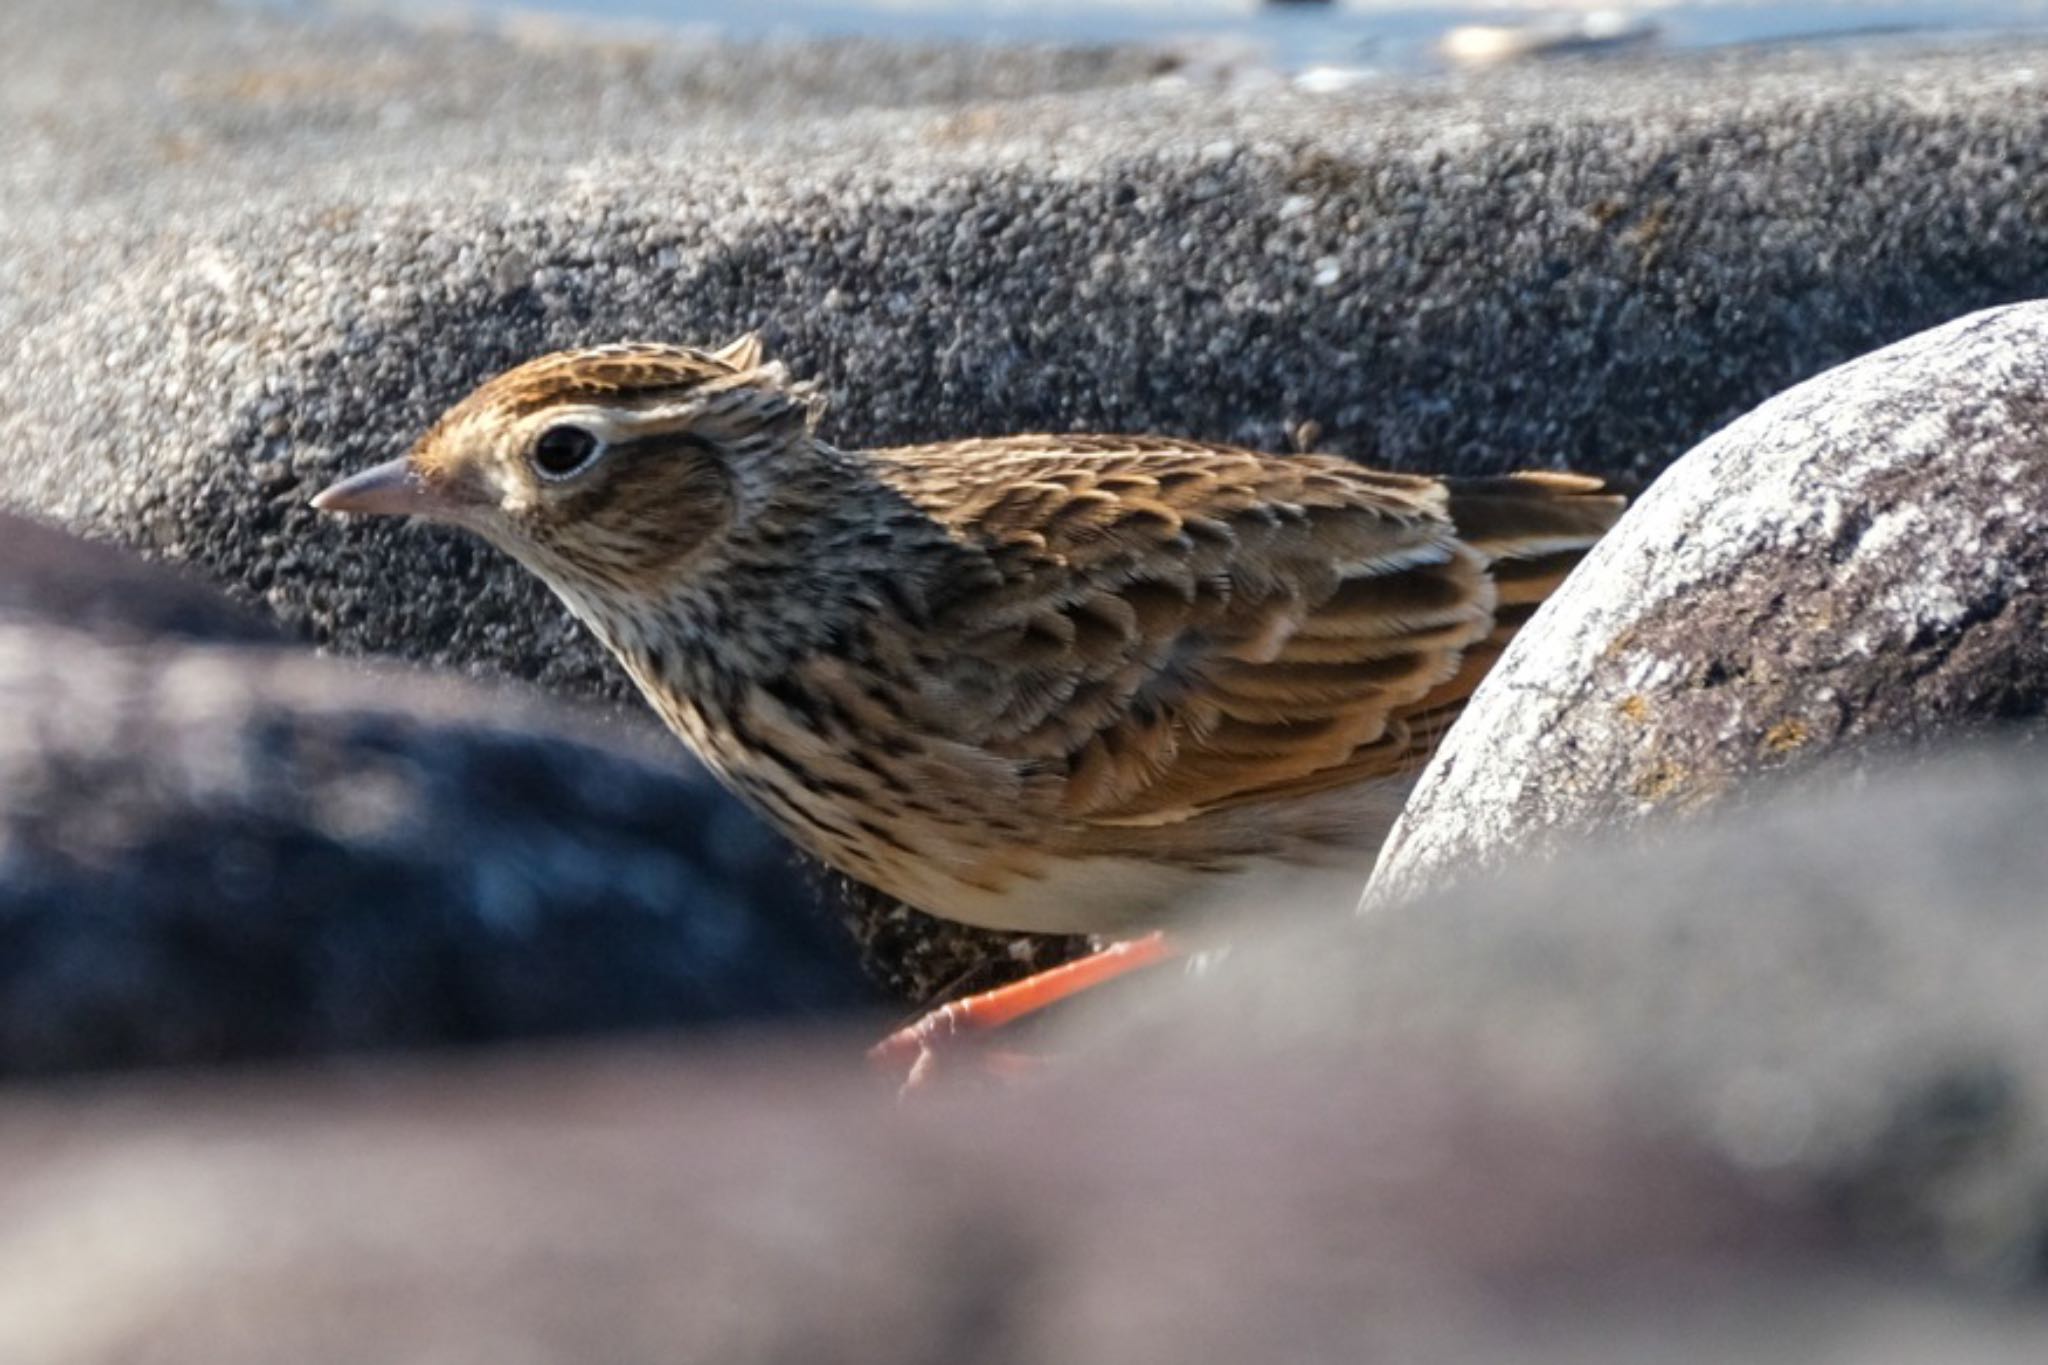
961 854
1045 894
959 872
1119 895
962 870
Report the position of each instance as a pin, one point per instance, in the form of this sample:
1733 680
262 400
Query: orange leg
910 1050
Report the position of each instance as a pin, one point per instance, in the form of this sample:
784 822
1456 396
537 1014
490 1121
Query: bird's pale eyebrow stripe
527 402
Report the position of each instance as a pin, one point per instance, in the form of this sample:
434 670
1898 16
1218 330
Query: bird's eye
561 451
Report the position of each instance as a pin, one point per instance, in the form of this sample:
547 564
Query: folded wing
1171 629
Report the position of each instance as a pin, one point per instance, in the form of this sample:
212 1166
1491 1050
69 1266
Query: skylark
1064 683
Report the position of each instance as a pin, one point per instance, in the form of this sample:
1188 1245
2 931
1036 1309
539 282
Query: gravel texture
1772 1093
244 254
1857 563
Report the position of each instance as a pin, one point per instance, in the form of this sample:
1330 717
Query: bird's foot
918 1052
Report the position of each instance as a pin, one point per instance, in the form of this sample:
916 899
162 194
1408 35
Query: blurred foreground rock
1837 991
1859 563
763 1207
214 852
244 254
54 579
1773 1092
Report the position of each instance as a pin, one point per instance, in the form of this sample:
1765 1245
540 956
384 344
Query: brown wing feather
1184 628
1533 528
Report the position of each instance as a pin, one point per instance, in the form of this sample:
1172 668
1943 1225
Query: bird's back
1203 660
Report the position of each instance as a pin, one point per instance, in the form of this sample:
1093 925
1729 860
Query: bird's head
602 470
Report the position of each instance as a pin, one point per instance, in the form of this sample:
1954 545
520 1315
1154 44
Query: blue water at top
1374 33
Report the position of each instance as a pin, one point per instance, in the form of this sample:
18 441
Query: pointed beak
391 489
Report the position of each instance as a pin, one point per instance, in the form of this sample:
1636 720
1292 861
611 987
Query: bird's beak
391 489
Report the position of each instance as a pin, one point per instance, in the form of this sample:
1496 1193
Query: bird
1121 686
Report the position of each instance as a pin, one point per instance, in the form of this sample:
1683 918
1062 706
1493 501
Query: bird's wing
1168 629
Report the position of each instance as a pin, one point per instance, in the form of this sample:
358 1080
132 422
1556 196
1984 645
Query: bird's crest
636 373
734 387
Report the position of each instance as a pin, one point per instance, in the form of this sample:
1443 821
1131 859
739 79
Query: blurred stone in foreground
1859 562
1837 991
57 579
1770 1093
765 1207
213 853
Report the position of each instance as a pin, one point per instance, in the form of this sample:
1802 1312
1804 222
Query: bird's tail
1535 528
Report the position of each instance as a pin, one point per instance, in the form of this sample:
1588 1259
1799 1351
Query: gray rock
1836 991
227 853
1858 562
762 1207
243 255
1775 1096
50 578
216 854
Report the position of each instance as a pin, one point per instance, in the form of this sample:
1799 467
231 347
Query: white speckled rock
1858 561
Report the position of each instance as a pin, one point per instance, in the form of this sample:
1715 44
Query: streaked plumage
1056 683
